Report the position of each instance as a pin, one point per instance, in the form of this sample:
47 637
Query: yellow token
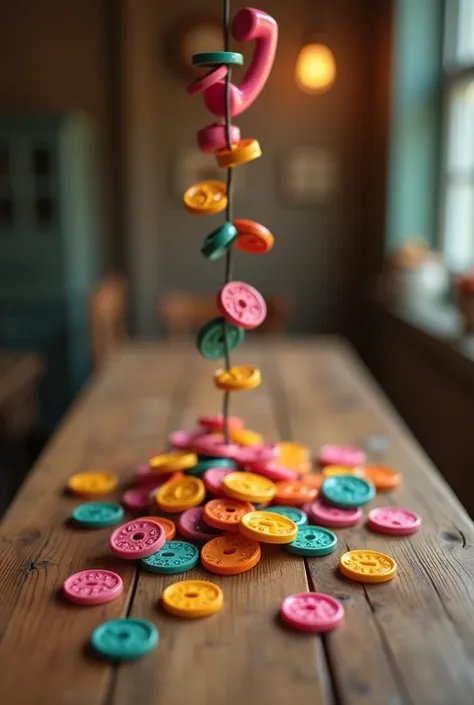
181 494
173 462
241 153
268 527
367 566
206 198
237 378
93 483
331 470
249 487
293 455
245 437
192 599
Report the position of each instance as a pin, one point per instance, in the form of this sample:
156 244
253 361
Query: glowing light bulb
315 70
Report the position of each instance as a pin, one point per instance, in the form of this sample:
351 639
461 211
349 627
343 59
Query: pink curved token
192 526
242 305
145 476
213 479
211 444
394 520
312 612
262 453
137 539
215 422
214 137
136 499
325 515
183 440
205 82
93 587
341 455
272 471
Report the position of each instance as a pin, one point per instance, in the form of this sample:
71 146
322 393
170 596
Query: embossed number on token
137 539
93 587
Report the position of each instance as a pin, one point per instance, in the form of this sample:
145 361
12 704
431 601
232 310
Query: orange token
384 479
303 468
313 479
230 554
253 238
294 493
168 526
331 470
225 514
241 153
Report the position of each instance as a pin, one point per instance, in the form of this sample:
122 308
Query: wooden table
410 641
19 377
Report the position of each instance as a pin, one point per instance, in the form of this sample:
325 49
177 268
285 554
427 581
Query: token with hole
347 491
341 455
230 554
192 526
96 515
219 241
137 539
313 541
178 495
384 479
192 599
394 520
294 492
243 152
93 587
213 444
206 198
268 527
175 557
293 513
136 499
264 452
225 514
248 487
274 472
238 378
92 483
211 341
252 237
124 639
326 515
367 566
312 612
245 437
218 58
242 305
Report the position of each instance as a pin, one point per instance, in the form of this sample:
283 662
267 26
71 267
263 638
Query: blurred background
366 181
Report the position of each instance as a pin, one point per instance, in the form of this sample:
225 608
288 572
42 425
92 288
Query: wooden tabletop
17 372
410 641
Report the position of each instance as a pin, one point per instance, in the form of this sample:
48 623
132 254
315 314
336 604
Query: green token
124 639
293 513
211 341
95 515
218 58
218 242
347 491
174 557
204 465
313 541
218 462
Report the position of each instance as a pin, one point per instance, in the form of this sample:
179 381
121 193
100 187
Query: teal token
293 513
174 557
95 515
347 491
313 541
211 342
204 465
218 58
218 242
124 639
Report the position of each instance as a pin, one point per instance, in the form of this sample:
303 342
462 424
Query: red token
394 520
242 305
225 514
93 587
216 422
145 476
192 526
274 472
253 237
325 515
213 478
205 82
264 452
137 539
312 612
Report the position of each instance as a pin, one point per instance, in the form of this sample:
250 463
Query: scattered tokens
215 422
332 470
242 305
211 340
293 454
230 554
341 455
265 452
293 513
174 461
178 495
268 527
168 526
96 515
93 587
248 487
243 152
394 520
124 639
136 499
175 557
192 526
214 445
245 437
92 483
347 491
213 479
274 472
225 514
334 517
192 599
294 492
206 198
384 479
203 465
137 539
313 541
367 566
252 237
237 378
312 612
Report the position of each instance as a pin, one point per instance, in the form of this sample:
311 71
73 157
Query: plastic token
303 468
293 513
253 238
178 495
124 639
192 599
206 198
168 526
213 444
93 587
192 526
268 527
242 305
174 461
347 491
225 514
248 487
313 479
334 517
205 82
230 554
245 437
243 152
216 58
274 472
312 612
394 520
293 454
313 541
203 465
136 499
175 557
332 470
96 515
144 475
341 455
265 452
93 483
219 241
294 492
183 440
211 341
213 479
137 539
384 479
215 422
214 137
367 566
237 378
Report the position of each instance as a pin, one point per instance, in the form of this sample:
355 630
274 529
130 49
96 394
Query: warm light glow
315 68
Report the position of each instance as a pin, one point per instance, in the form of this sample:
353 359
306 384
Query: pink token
394 520
325 515
312 612
136 499
341 455
216 422
306 507
183 440
242 305
214 137
262 453
93 587
205 82
272 471
145 476
192 526
137 539
213 478
215 445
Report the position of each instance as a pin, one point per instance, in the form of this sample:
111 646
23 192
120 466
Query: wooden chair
107 318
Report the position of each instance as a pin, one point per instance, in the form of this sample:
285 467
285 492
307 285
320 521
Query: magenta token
137 499
262 453
93 587
205 82
325 515
312 612
192 526
137 539
394 520
341 455
144 475
242 305
214 137
215 422
213 478
215 445
272 470
183 440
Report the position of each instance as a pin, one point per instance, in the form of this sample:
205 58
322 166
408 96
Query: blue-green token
204 465
124 639
211 342
218 58
313 541
347 491
218 242
174 557
95 515
293 513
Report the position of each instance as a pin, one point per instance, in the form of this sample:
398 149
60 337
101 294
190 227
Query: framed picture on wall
308 176
191 166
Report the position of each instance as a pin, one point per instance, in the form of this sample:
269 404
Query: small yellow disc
181 494
192 599
245 437
173 462
237 378
331 470
249 487
367 566
241 153
268 527
206 198
293 455
93 483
